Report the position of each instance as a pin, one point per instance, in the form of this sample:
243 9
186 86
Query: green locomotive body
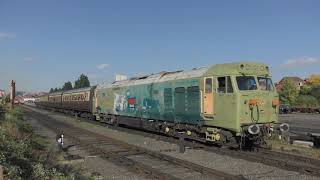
233 103
151 97
218 102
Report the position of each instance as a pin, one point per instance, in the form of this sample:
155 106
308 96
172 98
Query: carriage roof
78 90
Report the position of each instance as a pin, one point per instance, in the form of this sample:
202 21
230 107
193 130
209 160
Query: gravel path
227 164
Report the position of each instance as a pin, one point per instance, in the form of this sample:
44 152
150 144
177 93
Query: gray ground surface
302 122
227 164
92 165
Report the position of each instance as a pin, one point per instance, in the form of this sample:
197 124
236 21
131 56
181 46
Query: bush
316 92
306 101
305 90
288 93
23 154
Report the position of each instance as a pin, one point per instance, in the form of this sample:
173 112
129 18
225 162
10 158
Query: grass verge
279 145
24 154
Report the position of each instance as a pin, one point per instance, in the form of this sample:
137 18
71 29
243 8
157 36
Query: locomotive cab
240 98
258 107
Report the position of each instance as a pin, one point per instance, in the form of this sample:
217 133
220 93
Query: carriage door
208 97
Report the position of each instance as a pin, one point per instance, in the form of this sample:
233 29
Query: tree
306 101
314 80
67 86
83 81
305 90
7 99
316 92
289 92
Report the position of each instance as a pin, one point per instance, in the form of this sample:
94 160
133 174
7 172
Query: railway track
278 159
291 162
281 160
144 162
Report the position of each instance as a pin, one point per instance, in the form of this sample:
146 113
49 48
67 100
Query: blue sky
45 43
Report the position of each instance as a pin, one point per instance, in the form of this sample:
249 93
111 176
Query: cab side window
225 85
221 84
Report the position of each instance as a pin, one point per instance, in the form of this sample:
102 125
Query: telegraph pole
12 92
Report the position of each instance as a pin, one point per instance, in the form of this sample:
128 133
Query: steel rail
123 153
281 160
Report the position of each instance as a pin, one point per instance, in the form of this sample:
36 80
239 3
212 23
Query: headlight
254 129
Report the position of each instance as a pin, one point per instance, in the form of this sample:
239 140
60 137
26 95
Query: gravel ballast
94 166
250 170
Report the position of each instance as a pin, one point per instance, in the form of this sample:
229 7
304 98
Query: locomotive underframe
205 134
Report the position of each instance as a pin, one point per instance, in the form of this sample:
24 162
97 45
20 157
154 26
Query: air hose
252 116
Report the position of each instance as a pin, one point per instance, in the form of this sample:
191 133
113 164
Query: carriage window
265 84
221 84
208 86
229 85
246 83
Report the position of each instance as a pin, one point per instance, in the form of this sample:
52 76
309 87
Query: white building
120 77
30 100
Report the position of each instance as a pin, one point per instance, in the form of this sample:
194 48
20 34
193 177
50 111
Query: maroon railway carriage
78 101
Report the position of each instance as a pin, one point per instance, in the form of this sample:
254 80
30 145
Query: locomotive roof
239 68
244 68
159 77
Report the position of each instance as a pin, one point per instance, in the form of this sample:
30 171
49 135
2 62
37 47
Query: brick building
298 82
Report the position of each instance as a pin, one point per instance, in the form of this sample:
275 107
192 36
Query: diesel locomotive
227 104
